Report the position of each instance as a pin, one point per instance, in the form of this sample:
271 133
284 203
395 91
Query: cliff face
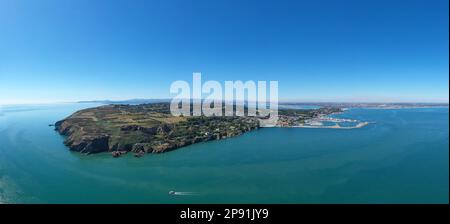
78 139
144 128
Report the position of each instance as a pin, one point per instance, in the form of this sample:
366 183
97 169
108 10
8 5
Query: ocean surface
401 158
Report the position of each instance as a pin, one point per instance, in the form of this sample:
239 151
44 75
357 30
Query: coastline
399 108
336 126
317 122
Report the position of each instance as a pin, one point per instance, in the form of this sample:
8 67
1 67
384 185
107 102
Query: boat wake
179 193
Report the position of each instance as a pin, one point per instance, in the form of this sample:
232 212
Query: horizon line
284 101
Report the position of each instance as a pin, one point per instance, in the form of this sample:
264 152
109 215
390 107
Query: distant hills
130 101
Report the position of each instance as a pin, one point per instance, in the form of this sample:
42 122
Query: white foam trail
185 193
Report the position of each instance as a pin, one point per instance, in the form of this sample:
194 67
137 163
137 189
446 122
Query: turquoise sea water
402 158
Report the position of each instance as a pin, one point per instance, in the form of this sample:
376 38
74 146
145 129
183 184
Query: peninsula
150 128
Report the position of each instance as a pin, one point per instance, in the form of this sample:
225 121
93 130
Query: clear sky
371 50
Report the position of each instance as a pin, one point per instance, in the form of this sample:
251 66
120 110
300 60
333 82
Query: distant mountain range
130 101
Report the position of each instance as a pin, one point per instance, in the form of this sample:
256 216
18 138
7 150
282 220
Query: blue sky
374 50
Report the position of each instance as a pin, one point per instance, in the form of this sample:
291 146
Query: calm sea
402 158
